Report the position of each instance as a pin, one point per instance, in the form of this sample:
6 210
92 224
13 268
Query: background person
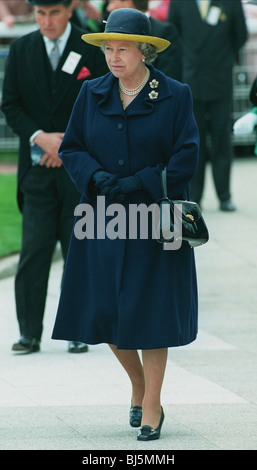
12 11
88 14
130 293
159 9
211 39
37 101
248 122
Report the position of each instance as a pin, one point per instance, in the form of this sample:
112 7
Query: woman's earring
143 59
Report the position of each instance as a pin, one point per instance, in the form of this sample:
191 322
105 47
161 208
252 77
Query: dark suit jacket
209 52
36 98
168 61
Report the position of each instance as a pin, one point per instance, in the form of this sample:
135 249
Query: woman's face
124 59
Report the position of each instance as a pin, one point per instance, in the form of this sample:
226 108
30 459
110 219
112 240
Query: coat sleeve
183 161
77 161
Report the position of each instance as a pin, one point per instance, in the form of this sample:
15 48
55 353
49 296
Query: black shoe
77 347
135 416
227 206
25 346
146 433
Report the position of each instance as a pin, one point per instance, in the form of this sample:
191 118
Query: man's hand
50 143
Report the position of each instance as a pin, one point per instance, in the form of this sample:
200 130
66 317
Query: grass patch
10 217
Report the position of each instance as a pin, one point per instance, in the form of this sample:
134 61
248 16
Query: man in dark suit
39 92
169 61
211 41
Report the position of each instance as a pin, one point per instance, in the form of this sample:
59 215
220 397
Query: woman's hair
148 50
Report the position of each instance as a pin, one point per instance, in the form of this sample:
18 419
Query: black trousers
213 118
48 216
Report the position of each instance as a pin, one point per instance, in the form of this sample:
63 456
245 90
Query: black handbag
193 228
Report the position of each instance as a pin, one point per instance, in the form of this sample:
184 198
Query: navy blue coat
129 292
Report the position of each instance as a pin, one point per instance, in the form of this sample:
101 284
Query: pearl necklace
134 91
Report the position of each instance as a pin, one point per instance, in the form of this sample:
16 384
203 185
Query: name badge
213 16
71 62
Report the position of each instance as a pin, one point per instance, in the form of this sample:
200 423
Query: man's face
52 20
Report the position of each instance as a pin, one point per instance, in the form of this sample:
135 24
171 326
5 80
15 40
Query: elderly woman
126 290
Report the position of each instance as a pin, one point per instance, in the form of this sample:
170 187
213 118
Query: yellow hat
127 24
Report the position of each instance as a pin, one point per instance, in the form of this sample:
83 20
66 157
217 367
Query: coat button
121 162
120 126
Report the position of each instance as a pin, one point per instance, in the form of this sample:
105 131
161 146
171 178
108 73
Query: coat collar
156 90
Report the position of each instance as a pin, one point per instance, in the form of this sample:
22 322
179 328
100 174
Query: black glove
107 185
100 177
129 184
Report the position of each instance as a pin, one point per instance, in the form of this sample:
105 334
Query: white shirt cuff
34 136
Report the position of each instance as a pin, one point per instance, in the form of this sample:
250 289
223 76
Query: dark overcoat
123 291
209 51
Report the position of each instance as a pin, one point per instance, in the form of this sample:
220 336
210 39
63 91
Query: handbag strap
164 182
164 186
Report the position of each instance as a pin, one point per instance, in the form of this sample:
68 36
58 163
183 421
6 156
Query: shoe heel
135 416
146 433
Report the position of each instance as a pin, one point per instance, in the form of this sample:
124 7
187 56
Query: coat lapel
38 68
109 101
200 26
65 80
36 59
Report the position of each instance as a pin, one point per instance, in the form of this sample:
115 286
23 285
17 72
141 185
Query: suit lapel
65 79
38 69
36 63
202 28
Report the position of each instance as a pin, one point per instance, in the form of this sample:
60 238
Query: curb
9 264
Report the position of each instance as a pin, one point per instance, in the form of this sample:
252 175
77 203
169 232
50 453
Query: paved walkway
56 400
8 168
